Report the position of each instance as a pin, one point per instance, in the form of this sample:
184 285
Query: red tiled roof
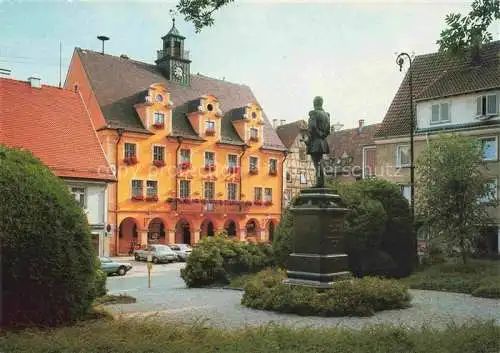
54 125
288 132
351 141
438 75
120 83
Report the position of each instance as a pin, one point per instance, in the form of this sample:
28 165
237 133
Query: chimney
275 123
475 50
282 122
124 56
35 81
361 124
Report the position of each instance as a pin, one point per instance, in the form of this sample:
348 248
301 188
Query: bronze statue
317 131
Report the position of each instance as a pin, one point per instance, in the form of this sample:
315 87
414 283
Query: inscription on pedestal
335 235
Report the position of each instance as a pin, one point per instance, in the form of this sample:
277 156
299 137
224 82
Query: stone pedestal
318 257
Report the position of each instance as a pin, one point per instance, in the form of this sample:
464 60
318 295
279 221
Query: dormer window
440 113
158 120
486 105
159 98
254 115
210 127
254 134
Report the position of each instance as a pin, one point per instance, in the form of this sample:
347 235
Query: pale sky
286 51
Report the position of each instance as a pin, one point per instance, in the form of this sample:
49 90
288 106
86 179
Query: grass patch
153 336
480 278
110 299
355 297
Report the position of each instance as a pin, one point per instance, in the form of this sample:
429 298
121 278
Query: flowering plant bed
130 160
138 198
159 163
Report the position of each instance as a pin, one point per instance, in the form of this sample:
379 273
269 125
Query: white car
182 250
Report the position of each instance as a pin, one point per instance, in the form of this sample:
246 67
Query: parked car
182 251
110 267
159 253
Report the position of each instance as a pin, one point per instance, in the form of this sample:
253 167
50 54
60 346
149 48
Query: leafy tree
48 264
450 181
200 12
465 31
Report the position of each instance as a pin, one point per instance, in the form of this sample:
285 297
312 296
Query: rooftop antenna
5 72
103 39
60 64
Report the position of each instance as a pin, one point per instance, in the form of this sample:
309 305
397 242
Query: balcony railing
208 206
172 52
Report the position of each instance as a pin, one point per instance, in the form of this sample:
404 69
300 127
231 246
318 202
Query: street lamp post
400 60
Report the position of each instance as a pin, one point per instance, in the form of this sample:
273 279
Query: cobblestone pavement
169 299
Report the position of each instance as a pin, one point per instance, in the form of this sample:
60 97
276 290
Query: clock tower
173 60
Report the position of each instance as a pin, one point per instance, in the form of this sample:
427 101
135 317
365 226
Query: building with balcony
55 126
459 95
193 155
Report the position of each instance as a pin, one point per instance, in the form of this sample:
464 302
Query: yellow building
193 155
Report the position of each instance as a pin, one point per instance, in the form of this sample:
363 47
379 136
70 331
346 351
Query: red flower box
185 165
130 160
268 203
273 172
138 198
210 167
233 170
158 126
254 171
257 202
186 200
248 203
159 163
152 198
210 132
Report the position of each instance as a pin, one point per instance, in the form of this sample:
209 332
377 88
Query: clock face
178 72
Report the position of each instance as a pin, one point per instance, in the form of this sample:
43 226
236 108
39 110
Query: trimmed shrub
48 263
356 297
100 283
480 278
283 238
215 260
378 230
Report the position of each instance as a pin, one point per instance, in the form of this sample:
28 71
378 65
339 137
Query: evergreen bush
356 297
215 260
48 263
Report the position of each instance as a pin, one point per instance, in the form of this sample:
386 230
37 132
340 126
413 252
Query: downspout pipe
283 176
180 139
120 134
245 147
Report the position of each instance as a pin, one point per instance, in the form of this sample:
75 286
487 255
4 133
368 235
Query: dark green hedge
215 260
356 297
48 264
378 230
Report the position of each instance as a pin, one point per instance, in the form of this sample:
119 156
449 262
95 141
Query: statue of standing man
317 131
